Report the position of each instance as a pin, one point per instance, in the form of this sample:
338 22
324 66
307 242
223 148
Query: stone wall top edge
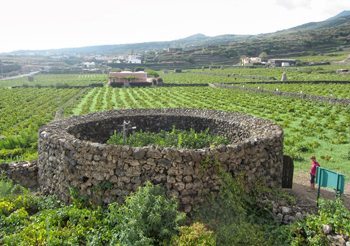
262 129
232 117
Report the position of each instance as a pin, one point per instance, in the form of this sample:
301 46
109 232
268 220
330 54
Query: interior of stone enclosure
100 131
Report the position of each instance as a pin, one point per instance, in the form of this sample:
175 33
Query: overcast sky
44 24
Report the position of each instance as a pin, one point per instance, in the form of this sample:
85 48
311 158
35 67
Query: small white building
251 61
89 64
134 59
281 62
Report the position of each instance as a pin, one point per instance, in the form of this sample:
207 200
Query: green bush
195 235
152 73
10 153
309 231
6 207
63 226
238 217
175 138
6 187
147 217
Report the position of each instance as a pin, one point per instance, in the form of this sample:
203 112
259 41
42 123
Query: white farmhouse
135 59
251 60
89 64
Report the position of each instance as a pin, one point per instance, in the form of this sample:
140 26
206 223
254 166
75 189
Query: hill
330 35
194 40
342 18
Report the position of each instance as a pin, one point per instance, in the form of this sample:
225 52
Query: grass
305 123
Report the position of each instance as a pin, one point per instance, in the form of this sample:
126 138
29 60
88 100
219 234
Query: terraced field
310 128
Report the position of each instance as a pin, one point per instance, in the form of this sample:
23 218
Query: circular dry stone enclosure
73 154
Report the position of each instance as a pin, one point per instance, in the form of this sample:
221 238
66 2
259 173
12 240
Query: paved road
20 76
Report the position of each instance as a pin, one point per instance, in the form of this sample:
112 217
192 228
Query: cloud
294 4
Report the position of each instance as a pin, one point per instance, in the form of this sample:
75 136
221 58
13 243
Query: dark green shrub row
174 138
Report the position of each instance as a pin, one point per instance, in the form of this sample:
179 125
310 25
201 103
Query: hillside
330 35
194 40
336 21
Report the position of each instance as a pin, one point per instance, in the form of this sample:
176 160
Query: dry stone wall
23 173
73 153
332 100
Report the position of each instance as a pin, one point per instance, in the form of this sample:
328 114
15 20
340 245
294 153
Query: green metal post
319 185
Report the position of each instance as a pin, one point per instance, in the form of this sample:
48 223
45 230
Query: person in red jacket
314 165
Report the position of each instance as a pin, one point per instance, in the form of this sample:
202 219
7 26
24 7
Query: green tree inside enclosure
174 138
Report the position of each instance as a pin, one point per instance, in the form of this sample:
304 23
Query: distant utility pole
125 129
1 69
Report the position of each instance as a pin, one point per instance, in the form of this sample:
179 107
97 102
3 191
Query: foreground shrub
147 217
63 226
195 235
332 213
238 217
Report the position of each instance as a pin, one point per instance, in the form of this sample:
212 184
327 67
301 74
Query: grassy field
310 128
56 80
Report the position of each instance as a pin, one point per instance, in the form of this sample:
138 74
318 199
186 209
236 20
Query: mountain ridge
328 26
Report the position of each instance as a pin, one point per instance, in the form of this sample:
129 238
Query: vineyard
22 112
327 90
56 80
254 74
310 128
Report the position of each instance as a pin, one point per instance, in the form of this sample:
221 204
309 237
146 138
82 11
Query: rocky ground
306 199
306 202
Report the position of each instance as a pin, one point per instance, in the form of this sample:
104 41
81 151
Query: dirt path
307 198
20 76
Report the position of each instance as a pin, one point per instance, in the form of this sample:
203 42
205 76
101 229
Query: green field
311 128
257 74
327 90
22 112
56 80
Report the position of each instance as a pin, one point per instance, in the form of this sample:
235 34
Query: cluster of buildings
249 61
128 78
130 59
